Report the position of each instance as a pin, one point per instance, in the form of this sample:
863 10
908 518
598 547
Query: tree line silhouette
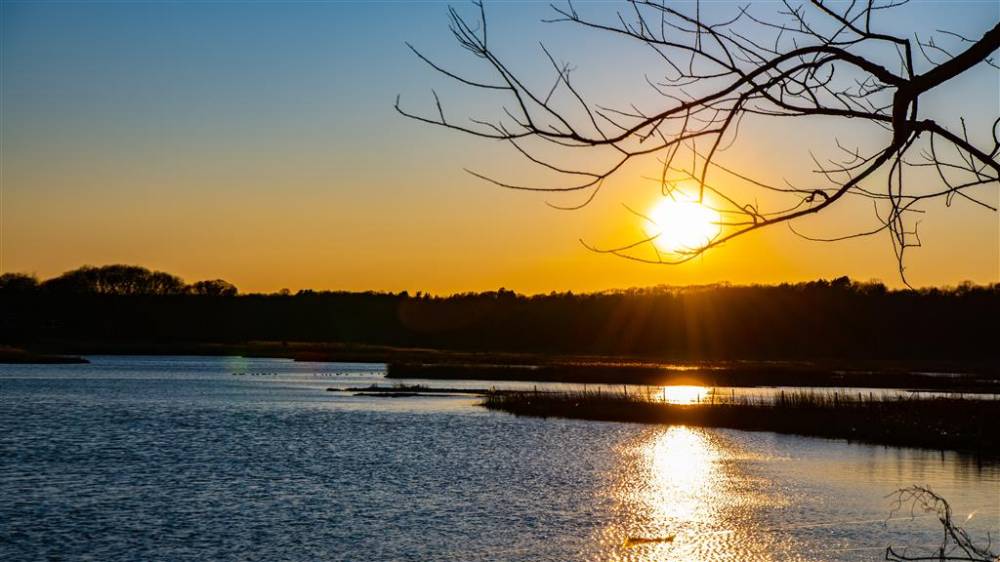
821 319
114 280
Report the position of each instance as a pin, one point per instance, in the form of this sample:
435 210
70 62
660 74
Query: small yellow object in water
635 541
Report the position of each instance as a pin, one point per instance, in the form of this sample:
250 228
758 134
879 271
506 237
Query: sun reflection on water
680 497
682 473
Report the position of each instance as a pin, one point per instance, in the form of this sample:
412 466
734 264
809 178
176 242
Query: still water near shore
175 458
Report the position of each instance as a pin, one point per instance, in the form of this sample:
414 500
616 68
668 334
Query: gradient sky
257 142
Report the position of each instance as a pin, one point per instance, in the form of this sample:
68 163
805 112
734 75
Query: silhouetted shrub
116 280
213 288
18 283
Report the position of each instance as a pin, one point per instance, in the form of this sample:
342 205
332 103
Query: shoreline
958 424
740 374
966 376
18 356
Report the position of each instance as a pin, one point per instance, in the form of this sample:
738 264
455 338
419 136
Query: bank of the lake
944 423
966 375
17 356
969 378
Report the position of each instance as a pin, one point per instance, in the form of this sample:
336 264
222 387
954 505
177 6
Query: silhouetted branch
807 61
955 541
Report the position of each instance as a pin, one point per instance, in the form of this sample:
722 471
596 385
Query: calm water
155 458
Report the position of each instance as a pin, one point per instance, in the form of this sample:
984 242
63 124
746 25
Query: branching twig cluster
807 60
955 541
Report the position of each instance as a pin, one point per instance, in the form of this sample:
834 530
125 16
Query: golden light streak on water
680 497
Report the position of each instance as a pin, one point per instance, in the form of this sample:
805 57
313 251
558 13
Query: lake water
174 458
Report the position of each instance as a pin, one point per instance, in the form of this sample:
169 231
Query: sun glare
681 224
683 394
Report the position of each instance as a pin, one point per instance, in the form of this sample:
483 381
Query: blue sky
256 141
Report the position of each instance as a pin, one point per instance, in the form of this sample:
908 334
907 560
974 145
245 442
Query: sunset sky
257 142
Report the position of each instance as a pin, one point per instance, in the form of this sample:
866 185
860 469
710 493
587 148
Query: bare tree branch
811 60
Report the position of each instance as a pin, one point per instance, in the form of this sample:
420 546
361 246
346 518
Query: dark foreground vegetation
962 424
126 309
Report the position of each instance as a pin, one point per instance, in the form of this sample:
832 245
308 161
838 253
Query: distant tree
18 283
843 282
116 280
213 287
161 283
817 61
504 293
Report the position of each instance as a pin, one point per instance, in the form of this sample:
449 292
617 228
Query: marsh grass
952 423
719 373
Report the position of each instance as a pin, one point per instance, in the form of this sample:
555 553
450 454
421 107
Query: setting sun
681 224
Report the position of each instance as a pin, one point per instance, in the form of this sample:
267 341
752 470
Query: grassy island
974 378
953 423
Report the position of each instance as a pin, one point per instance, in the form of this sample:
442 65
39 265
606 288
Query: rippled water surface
159 458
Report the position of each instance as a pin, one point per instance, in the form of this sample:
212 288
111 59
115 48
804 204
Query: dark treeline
114 280
820 319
